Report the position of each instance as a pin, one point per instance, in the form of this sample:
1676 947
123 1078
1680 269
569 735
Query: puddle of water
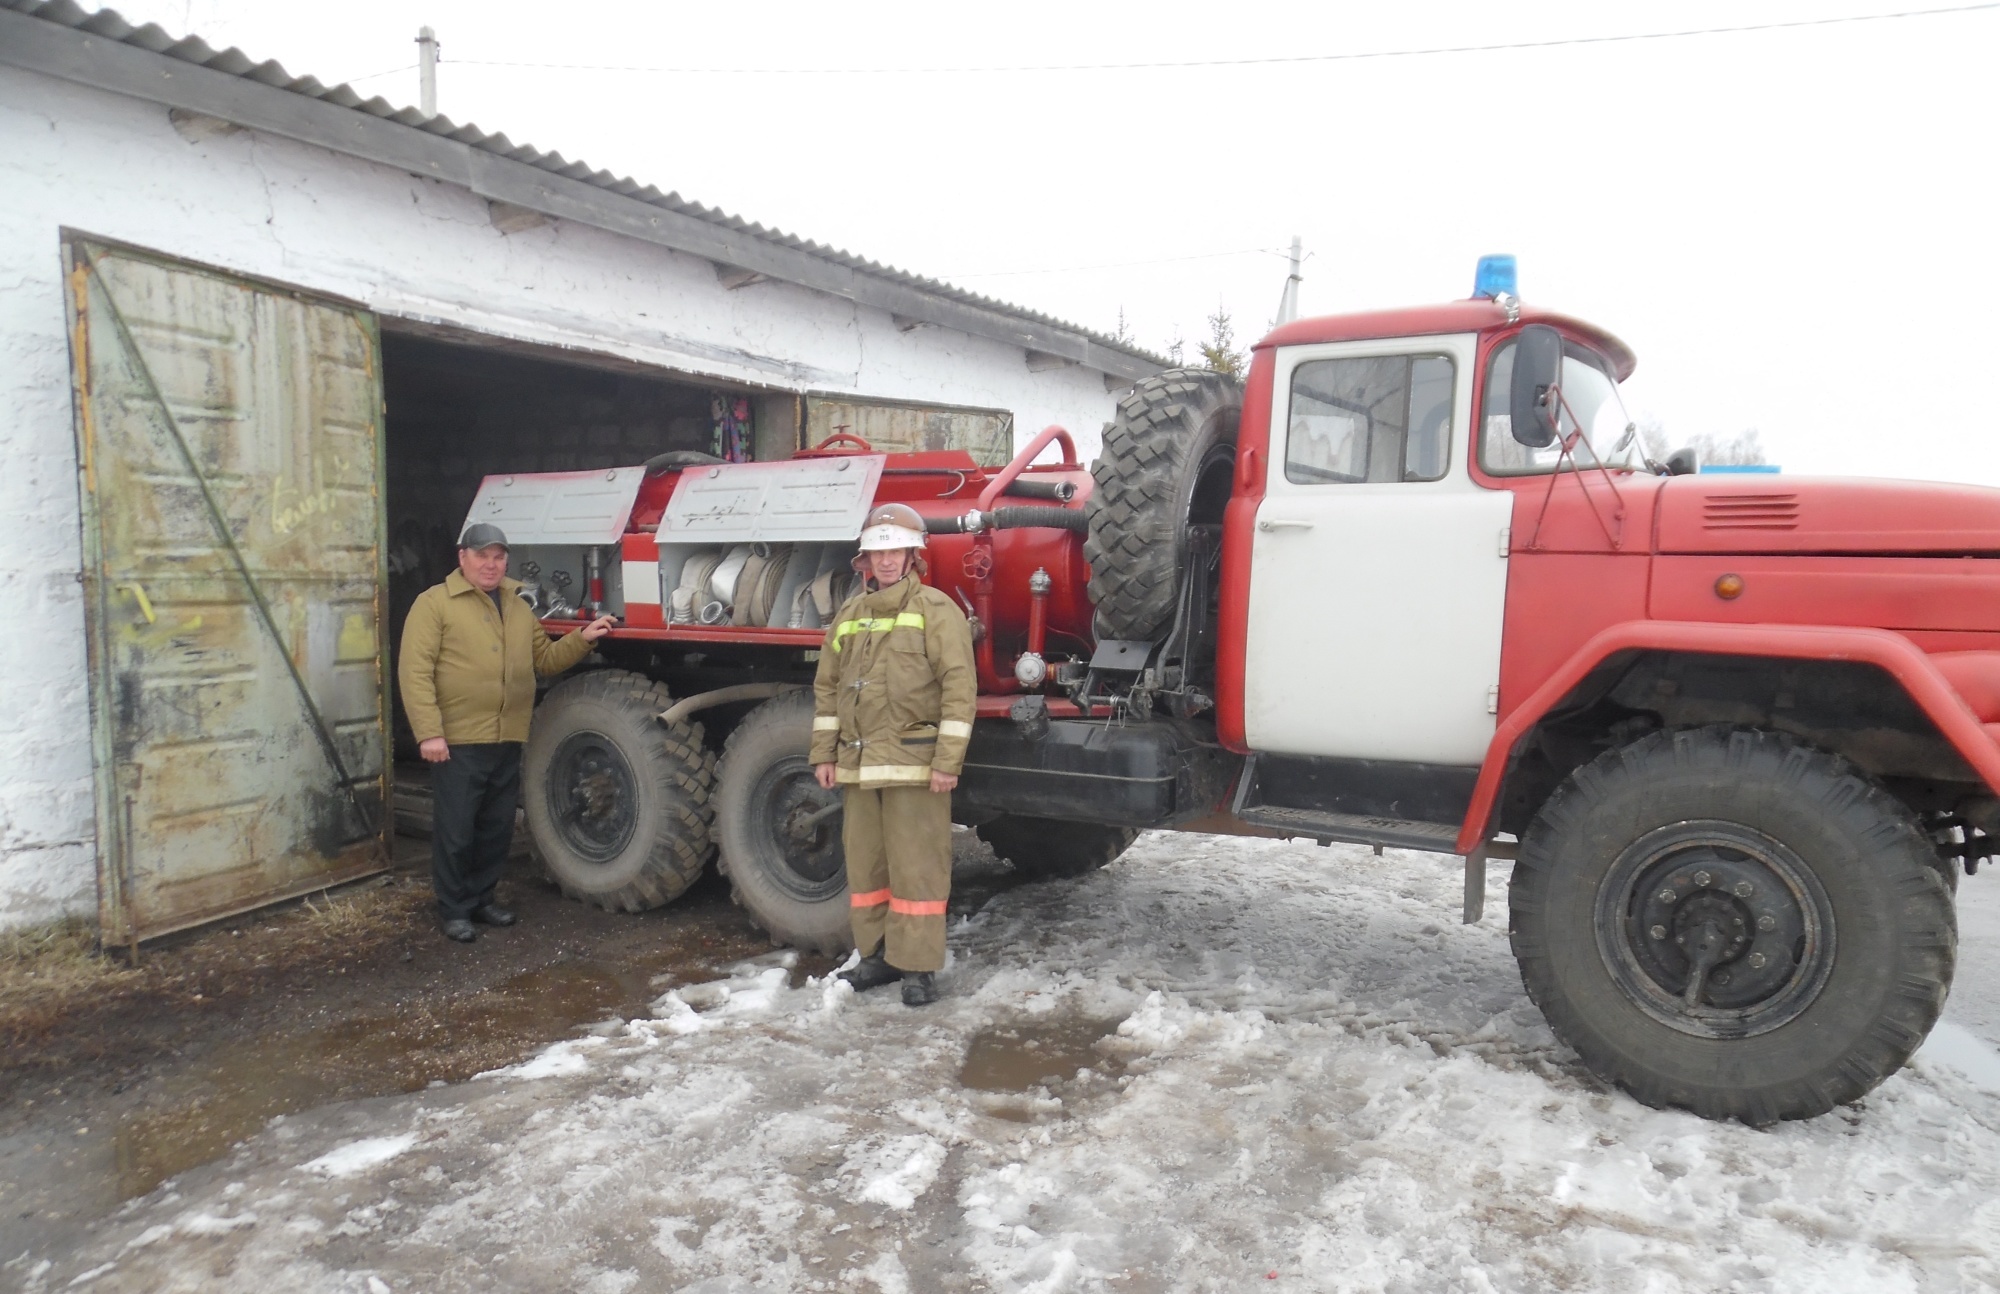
1013 1060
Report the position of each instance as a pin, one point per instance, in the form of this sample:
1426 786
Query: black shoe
492 914
919 989
871 972
458 929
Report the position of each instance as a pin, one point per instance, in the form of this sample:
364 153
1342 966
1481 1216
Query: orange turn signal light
1729 587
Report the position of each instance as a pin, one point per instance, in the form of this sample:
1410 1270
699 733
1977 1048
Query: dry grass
356 914
47 970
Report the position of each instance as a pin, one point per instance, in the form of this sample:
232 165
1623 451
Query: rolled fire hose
722 584
762 598
687 601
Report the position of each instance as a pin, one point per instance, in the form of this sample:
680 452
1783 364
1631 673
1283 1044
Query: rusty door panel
239 715
898 428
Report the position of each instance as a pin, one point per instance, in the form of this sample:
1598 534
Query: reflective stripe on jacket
466 672
893 698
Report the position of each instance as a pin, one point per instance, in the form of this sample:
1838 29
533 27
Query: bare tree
1743 449
1124 334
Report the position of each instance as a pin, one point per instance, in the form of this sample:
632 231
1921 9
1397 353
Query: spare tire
1167 463
1045 849
617 802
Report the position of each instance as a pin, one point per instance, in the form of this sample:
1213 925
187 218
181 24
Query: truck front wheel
617 802
780 832
1734 923
1045 849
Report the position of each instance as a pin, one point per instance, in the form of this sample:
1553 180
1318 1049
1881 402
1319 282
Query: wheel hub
805 825
593 796
1715 929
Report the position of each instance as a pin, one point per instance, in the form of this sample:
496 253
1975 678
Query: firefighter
892 713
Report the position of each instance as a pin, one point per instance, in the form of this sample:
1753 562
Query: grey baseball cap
482 536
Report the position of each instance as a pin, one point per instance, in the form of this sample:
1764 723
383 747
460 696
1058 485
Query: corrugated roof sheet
110 25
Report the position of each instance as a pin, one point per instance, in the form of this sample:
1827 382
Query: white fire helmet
892 525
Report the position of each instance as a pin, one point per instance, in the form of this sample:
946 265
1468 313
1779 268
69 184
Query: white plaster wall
404 245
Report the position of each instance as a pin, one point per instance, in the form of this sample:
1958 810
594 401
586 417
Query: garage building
259 341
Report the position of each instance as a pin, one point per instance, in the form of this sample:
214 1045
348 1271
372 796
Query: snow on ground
1298 1072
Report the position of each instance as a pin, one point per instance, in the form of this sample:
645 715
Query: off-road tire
1685 809
1045 849
1170 431
792 884
652 837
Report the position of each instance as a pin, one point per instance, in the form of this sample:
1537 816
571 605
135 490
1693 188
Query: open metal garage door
229 435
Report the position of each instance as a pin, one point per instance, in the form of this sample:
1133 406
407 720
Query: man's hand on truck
597 628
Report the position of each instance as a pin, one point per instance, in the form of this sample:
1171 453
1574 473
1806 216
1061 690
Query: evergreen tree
1219 353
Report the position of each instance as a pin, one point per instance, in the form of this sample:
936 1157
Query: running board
1355 828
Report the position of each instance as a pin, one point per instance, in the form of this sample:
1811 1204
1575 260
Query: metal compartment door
230 448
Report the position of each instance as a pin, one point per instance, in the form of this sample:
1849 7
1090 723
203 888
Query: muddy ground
114 1079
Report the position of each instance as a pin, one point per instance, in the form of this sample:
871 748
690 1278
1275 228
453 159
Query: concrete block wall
120 168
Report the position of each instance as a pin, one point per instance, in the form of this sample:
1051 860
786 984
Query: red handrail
998 485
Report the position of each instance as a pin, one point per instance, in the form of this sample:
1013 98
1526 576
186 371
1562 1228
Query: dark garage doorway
461 407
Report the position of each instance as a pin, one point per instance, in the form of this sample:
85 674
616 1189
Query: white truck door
1378 569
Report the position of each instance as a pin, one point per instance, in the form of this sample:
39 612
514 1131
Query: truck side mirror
1538 354
1683 462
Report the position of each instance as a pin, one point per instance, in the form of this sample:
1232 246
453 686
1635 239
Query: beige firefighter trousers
898 843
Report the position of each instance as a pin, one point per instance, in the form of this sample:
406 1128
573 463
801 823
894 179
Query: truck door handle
1283 523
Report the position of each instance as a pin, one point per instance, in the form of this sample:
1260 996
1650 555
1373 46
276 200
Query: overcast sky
1791 227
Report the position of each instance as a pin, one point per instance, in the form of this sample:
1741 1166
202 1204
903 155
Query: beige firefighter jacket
894 695
467 672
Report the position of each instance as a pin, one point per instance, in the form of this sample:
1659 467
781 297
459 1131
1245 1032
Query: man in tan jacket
471 651
893 708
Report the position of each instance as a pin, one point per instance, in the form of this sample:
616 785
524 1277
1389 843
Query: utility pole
427 69
1288 304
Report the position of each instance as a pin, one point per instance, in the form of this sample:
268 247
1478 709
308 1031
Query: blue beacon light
1495 278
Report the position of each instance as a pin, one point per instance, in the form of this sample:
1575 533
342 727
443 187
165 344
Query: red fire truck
1414 584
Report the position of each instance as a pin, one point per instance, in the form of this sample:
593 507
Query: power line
1420 52
407 67
1115 265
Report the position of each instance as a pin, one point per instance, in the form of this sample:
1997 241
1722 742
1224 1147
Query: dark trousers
473 796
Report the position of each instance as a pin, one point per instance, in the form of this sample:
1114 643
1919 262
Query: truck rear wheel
1734 923
780 831
618 803
1045 849
1167 463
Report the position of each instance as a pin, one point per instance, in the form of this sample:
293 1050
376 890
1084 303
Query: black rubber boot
871 972
919 989
458 929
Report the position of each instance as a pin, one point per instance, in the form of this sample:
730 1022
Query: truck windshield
1590 399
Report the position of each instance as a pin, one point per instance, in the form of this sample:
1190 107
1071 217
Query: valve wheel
977 562
1715 929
